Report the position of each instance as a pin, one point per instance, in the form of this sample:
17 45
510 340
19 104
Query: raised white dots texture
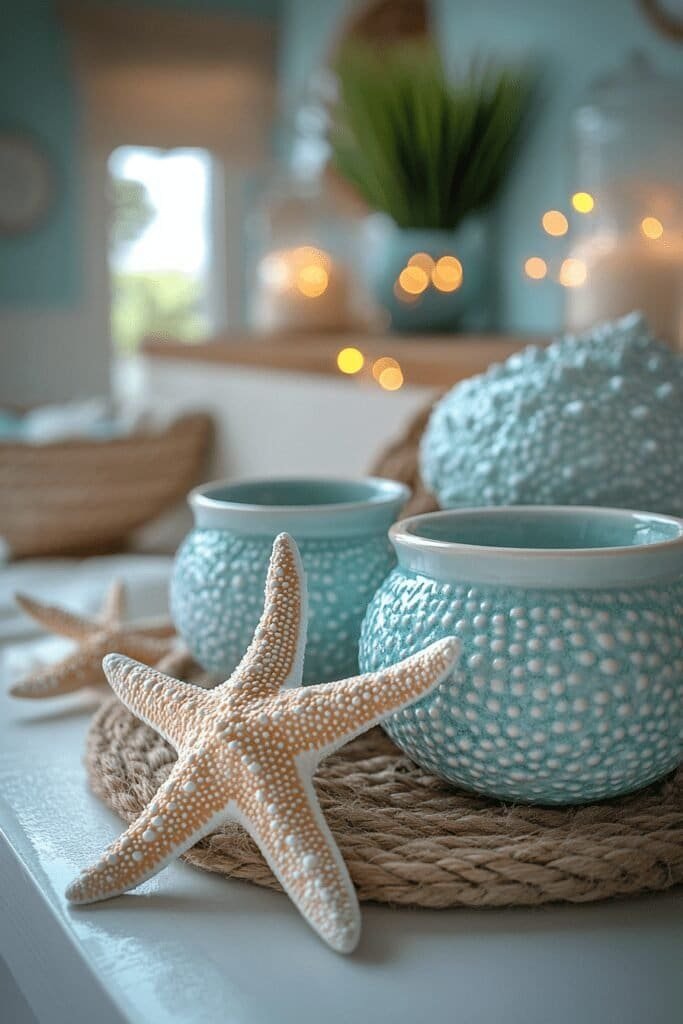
567 702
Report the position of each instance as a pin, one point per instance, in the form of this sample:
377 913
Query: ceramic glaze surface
219 574
388 250
561 694
590 420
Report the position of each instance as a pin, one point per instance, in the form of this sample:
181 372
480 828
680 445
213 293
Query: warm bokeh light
382 364
306 268
391 378
583 202
422 260
535 268
403 296
572 273
305 254
652 227
554 223
311 280
350 360
447 274
413 280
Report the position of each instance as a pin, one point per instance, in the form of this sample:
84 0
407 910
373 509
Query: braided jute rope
411 840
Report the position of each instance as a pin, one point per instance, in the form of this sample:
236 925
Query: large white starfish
247 750
149 641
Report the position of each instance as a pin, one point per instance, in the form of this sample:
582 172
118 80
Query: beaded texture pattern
247 751
217 595
558 696
590 420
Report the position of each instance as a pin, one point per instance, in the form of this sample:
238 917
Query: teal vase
220 569
437 296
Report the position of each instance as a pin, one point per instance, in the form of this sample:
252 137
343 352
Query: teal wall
573 43
38 96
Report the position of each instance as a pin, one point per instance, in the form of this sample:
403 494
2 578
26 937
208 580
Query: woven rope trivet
409 839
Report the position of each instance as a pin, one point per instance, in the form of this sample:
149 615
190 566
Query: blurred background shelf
281 405
426 361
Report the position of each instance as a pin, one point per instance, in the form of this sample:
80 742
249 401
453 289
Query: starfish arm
83 668
283 816
275 657
114 607
158 627
174 709
170 825
56 620
149 650
323 717
78 670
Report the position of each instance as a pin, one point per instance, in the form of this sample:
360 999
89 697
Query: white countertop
189 947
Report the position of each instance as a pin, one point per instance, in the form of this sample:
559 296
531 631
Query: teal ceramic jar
570 681
220 569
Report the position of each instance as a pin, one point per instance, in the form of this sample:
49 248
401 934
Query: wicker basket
82 496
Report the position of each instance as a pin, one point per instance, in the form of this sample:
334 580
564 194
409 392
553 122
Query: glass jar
627 245
303 278
304 238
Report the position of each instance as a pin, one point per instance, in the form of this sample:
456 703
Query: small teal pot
388 250
570 678
220 569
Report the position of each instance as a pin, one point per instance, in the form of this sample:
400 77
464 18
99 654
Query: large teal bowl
569 684
220 569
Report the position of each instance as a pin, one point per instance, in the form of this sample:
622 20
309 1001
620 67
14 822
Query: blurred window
162 245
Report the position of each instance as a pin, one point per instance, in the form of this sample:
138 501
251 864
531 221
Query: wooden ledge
426 361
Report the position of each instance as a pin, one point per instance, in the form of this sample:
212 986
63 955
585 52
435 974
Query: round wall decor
27 183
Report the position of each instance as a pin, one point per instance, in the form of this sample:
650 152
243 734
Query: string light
652 227
422 260
583 202
535 268
312 280
572 273
404 296
554 223
391 378
413 280
447 274
387 372
382 364
306 269
304 254
350 360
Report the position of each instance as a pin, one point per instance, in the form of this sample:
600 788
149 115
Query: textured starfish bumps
247 750
95 637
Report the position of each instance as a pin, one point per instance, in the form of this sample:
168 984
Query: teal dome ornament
593 419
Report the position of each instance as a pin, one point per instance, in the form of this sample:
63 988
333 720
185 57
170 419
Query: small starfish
149 641
247 752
